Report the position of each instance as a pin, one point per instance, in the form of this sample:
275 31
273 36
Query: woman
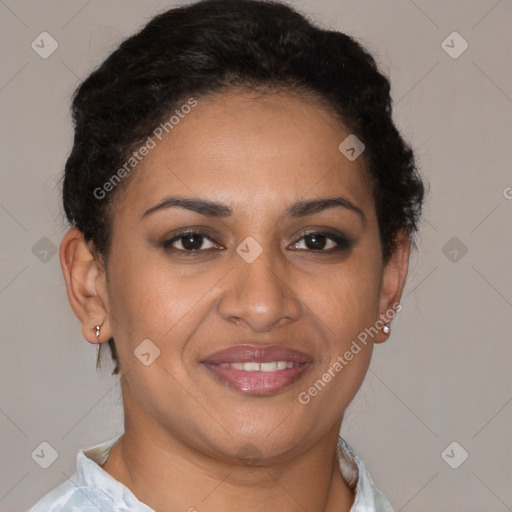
242 210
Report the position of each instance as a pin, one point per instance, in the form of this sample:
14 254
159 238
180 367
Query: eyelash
343 243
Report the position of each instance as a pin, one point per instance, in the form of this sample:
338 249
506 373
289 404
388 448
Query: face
249 259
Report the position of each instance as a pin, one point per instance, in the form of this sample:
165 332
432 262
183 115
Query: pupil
317 241
190 241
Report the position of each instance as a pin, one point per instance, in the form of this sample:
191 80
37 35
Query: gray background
443 376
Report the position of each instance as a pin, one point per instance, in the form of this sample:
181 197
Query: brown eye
322 242
190 241
316 241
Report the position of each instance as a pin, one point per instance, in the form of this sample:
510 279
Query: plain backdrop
444 375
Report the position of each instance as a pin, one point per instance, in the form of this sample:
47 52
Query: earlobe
85 284
393 282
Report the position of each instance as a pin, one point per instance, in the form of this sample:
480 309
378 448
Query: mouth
257 370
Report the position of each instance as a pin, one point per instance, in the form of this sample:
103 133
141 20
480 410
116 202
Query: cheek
150 300
346 299
344 312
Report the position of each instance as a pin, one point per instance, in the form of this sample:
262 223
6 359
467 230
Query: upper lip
259 354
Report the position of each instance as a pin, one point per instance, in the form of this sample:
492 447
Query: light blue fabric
92 489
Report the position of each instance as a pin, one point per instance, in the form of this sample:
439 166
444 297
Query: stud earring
386 329
98 331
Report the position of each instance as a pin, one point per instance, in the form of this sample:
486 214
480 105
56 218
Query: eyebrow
214 209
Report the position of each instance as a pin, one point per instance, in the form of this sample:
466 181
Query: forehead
251 151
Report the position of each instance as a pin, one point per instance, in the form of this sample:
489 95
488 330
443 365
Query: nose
259 294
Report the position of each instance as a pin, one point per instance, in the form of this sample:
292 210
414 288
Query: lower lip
258 382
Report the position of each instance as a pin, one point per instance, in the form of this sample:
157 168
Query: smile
256 369
255 378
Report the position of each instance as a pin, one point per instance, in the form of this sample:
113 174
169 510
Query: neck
167 474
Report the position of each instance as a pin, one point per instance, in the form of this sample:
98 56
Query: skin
183 428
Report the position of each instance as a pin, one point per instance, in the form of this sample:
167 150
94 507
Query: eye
190 241
322 242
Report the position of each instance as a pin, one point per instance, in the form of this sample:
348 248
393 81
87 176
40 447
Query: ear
393 282
86 285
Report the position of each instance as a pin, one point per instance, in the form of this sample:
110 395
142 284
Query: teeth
268 367
253 366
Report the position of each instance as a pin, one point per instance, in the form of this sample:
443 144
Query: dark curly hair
214 46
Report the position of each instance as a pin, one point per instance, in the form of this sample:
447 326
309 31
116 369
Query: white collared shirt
92 489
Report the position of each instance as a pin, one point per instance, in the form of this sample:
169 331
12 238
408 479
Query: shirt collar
367 496
89 470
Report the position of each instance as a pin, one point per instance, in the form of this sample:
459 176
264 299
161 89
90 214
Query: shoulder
90 489
69 497
368 498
